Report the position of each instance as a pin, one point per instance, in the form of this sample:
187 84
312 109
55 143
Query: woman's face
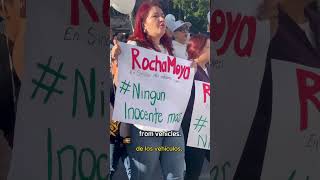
205 53
181 35
154 24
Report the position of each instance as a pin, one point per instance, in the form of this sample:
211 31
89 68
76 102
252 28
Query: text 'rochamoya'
159 66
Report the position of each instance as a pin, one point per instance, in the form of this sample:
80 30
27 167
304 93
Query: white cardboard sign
199 132
293 149
154 88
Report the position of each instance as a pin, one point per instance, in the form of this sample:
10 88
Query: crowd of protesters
162 33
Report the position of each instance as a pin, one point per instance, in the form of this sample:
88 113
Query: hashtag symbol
49 88
124 87
200 123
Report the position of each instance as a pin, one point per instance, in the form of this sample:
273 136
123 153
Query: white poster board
61 122
293 149
241 42
154 88
199 132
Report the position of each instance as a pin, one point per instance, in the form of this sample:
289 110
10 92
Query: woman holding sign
150 33
198 50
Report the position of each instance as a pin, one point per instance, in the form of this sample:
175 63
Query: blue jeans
143 163
118 151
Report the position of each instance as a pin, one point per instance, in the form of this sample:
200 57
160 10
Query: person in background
123 37
150 33
117 142
180 34
198 50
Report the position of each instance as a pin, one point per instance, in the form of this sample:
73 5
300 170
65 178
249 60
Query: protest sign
199 132
294 137
153 89
61 123
241 43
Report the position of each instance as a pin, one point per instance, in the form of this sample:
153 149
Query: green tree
194 11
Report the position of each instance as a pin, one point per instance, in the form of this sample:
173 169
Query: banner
153 89
199 132
293 149
241 42
61 123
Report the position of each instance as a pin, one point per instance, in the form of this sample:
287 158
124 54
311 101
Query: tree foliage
194 11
